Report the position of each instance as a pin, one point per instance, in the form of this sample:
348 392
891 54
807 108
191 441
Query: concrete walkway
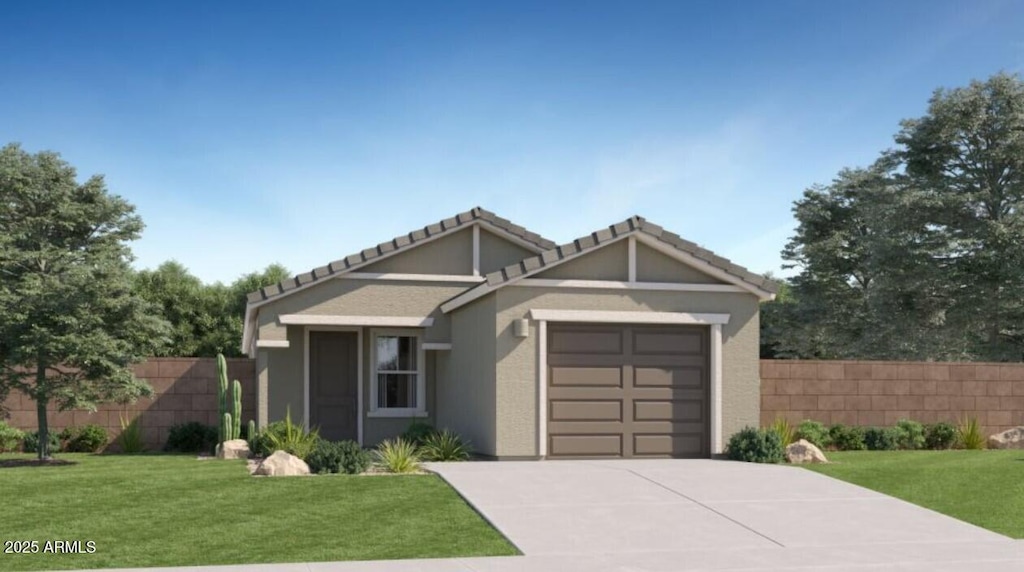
675 515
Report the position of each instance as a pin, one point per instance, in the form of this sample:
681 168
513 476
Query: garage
627 390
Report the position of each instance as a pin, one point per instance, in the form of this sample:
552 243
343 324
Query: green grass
163 510
985 488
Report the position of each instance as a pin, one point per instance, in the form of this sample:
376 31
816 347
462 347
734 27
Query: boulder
233 449
282 464
1009 439
803 451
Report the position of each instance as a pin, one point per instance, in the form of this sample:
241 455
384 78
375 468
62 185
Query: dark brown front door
628 391
333 379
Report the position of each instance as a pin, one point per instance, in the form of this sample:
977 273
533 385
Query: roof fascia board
627 317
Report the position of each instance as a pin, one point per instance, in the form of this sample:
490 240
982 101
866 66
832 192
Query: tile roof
399 243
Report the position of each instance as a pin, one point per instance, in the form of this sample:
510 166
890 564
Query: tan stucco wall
516 371
606 263
452 254
364 298
467 389
497 253
653 266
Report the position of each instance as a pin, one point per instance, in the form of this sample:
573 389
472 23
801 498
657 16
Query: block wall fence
883 392
184 389
849 392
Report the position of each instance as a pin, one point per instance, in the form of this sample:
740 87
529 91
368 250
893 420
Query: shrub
444 445
910 434
785 431
191 437
337 457
84 439
846 438
755 446
969 435
10 438
815 432
417 432
31 442
881 438
292 438
940 436
260 445
130 438
398 456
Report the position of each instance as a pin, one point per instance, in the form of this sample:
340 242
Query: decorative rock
233 449
282 464
803 451
1009 439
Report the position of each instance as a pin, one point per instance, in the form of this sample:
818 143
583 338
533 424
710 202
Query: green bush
881 438
815 432
785 431
337 457
191 437
130 440
443 446
260 445
911 434
940 436
84 439
755 446
31 442
846 437
398 456
291 437
10 438
417 432
969 435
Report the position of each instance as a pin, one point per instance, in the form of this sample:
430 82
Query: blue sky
248 133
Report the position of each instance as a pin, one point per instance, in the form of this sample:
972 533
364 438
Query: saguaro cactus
233 411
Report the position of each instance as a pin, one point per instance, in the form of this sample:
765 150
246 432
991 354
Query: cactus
233 412
236 410
252 431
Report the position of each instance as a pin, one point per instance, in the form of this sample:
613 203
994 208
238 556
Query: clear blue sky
298 132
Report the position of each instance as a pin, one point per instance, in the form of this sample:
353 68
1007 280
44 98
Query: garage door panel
677 445
586 376
669 377
677 410
585 410
629 391
585 341
586 445
668 342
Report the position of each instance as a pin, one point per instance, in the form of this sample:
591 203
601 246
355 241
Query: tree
965 158
206 319
70 322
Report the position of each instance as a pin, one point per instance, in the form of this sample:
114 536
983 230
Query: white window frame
421 376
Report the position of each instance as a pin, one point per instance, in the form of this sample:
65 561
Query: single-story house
628 342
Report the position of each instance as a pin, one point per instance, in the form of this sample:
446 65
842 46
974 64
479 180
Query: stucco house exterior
628 342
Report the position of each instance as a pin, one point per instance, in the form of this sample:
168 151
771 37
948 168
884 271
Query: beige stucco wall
606 263
343 297
452 254
653 266
467 389
497 253
516 369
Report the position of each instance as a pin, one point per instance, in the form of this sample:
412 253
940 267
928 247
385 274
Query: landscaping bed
985 488
169 510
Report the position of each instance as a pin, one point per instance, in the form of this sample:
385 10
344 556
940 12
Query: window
398 380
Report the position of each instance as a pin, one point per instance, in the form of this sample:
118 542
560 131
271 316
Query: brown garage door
627 391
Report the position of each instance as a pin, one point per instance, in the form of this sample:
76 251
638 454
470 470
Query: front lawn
163 510
985 488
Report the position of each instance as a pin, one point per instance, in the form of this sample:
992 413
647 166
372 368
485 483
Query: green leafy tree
70 323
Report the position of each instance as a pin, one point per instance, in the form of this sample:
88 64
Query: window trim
421 376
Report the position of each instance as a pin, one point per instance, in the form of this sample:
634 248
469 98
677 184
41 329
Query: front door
333 384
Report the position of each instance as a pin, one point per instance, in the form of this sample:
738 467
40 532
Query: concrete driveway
702 514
